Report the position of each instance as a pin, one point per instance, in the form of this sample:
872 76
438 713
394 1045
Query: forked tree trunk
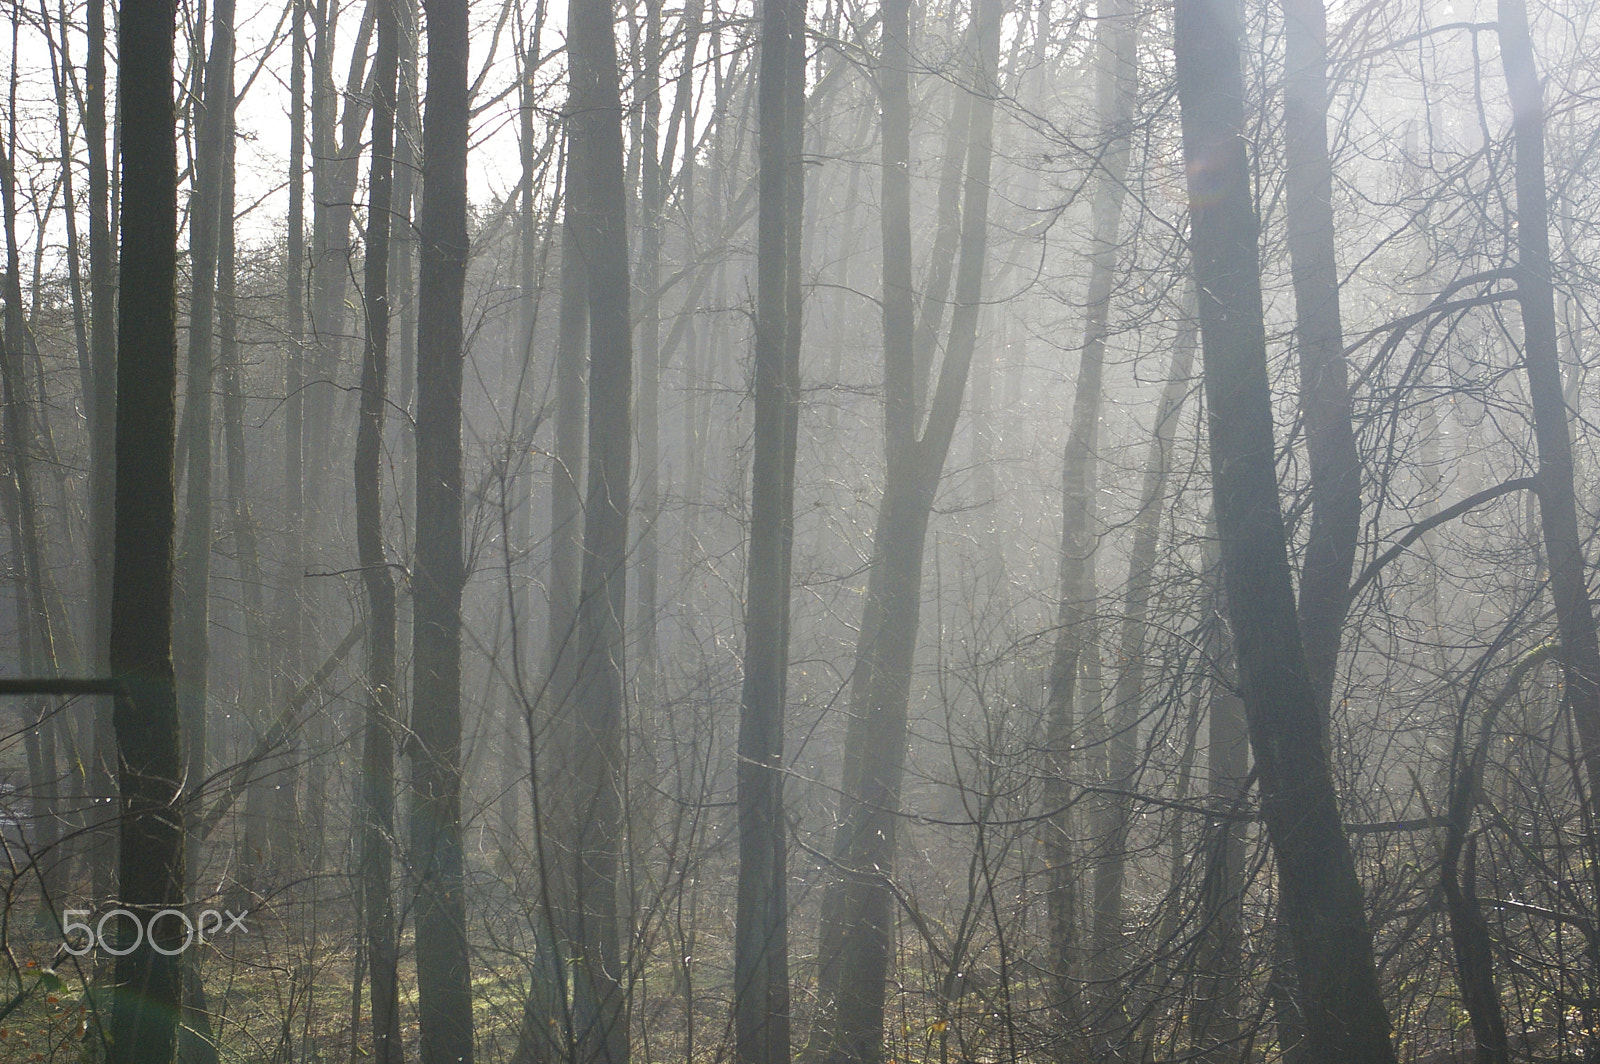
1335 465
858 906
1321 897
146 1005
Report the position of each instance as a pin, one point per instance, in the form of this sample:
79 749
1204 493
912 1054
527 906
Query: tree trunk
1128 692
1469 931
857 908
146 1007
1214 1019
444 989
599 205
1116 93
270 810
102 446
1321 897
36 630
1535 292
381 724
1324 378
652 200
761 935
192 596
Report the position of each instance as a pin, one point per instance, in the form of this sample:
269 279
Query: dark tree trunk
1320 895
381 725
444 989
1335 487
761 936
146 1006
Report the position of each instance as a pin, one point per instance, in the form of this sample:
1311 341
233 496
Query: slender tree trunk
444 989
761 936
1128 693
381 724
1324 378
1557 501
271 814
1321 897
1324 394
652 196
102 446
36 630
191 635
1469 931
1116 92
1214 1019
146 1006
566 503
256 687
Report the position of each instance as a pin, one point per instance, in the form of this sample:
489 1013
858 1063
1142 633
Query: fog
849 533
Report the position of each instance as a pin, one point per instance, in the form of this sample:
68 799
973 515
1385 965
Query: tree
102 434
1116 91
1558 513
1318 890
858 907
599 205
381 724
145 1009
761 936
444 988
